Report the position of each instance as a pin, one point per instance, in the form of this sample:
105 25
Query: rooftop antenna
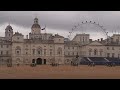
45 28
118 29
36 15
9 20
115 31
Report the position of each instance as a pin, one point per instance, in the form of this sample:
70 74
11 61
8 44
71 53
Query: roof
17 34
58 36
8 27
36 26
71 43
38 41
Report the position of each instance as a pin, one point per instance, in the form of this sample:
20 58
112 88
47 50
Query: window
18 38
33 51
1 46
7 52
73 47
90 51
77 53
2 60
68 47
86 39
68 53
113 55
18 61
44 51
7 46
38 52
101 52
73 53
26 45
59 51
8 61
95 52
112 48
67 60
50 52
1 52
17 52
83 39
59 39
108 54
107 48
26 52
80 38
118 55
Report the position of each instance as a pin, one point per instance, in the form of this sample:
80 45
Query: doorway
39 61
33 61
44 61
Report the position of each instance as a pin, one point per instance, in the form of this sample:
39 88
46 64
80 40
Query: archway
39 61
44 61
33 61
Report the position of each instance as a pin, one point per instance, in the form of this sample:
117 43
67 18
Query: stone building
45 48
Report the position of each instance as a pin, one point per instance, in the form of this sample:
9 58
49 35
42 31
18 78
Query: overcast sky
61 22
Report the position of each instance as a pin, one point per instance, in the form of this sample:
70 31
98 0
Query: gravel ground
59 72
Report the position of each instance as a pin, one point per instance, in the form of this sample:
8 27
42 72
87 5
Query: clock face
9 30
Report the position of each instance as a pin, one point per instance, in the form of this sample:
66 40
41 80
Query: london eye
95 30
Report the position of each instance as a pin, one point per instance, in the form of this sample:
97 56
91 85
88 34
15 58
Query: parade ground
59 72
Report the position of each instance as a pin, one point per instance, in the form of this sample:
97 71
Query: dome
36 26
8 27
36 19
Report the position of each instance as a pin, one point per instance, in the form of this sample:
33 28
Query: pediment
95 43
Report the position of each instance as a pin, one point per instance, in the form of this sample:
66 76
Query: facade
46 48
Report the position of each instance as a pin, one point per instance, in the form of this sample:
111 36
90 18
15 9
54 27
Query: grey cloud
62 20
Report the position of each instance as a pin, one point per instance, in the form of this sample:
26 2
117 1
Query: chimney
101 39
26 36
98 40
90 40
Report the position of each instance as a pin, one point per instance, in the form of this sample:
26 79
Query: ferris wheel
88 27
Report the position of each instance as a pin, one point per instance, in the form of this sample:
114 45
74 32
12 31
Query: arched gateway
39 61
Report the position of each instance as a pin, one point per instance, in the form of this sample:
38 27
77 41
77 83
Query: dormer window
17 52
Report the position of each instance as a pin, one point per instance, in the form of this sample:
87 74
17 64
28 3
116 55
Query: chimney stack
101 39
26 36
98 39
90 40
